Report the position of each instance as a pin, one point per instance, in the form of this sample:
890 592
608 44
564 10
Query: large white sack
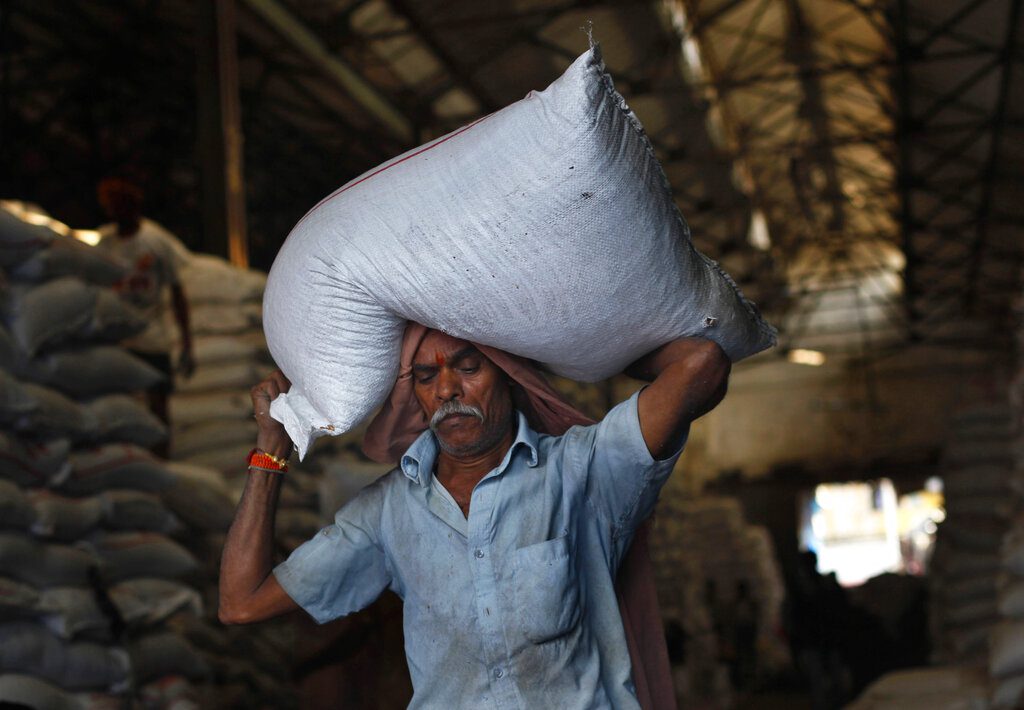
547 229
93 371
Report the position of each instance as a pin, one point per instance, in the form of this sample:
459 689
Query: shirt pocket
547 595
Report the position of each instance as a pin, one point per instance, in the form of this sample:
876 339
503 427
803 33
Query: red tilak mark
439 359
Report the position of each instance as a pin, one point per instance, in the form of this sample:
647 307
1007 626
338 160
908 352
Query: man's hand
688 378
271 436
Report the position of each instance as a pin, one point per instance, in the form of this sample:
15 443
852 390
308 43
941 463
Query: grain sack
79 665
11 358
122 418
1013 552
976 479
189 409
229 459
210 279
216 349
115 466
15 400
56 416
67 256
15 508
19 240
148 602
28 464
33 692
1011 600
200 504
50 313
1008 693
163 654
130 555
212 436
17 600
546 229
225 319
64 519
134 510
43 565
1006 656
233 375
93 371
112 319
72 612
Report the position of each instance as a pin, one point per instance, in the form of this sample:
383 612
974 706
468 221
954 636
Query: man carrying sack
503 528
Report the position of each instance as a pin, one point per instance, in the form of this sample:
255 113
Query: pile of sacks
210 412
977 473
1006 658
107 571
697 582
212 427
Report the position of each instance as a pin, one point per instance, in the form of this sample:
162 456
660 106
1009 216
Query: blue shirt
514 607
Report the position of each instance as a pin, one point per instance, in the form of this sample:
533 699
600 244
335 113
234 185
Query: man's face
464 395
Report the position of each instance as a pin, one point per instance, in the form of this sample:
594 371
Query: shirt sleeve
622 478
343 568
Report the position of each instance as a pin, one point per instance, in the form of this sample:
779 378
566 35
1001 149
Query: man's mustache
454 406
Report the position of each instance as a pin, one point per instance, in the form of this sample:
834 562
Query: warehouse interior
844 530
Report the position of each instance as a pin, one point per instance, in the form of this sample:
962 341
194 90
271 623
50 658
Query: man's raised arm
248 590
688 378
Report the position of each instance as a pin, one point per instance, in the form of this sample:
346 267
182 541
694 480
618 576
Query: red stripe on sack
391 165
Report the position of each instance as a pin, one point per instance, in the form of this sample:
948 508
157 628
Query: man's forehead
437 344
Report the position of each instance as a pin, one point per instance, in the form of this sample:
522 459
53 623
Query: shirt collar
418 460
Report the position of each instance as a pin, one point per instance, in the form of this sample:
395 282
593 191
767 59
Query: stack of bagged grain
210 412
101 581
1006 657
977 467
702 550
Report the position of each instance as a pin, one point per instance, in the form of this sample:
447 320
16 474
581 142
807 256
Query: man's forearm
248 551
180 305
689 376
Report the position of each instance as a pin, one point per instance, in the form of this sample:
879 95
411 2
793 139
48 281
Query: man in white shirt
156 257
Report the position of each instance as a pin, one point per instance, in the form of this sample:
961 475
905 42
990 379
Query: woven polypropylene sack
547 229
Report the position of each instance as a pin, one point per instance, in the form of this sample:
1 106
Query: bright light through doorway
863 529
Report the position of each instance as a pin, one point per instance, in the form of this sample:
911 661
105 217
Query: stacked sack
697 582
977 472
210 412
212 427
107 554
1006 660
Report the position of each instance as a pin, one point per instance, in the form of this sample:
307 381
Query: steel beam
303 40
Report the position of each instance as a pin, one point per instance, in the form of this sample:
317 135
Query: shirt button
478 553
498 672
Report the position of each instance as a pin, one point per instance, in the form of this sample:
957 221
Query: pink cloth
401 421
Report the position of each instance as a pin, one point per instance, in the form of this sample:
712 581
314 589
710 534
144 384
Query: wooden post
220 133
